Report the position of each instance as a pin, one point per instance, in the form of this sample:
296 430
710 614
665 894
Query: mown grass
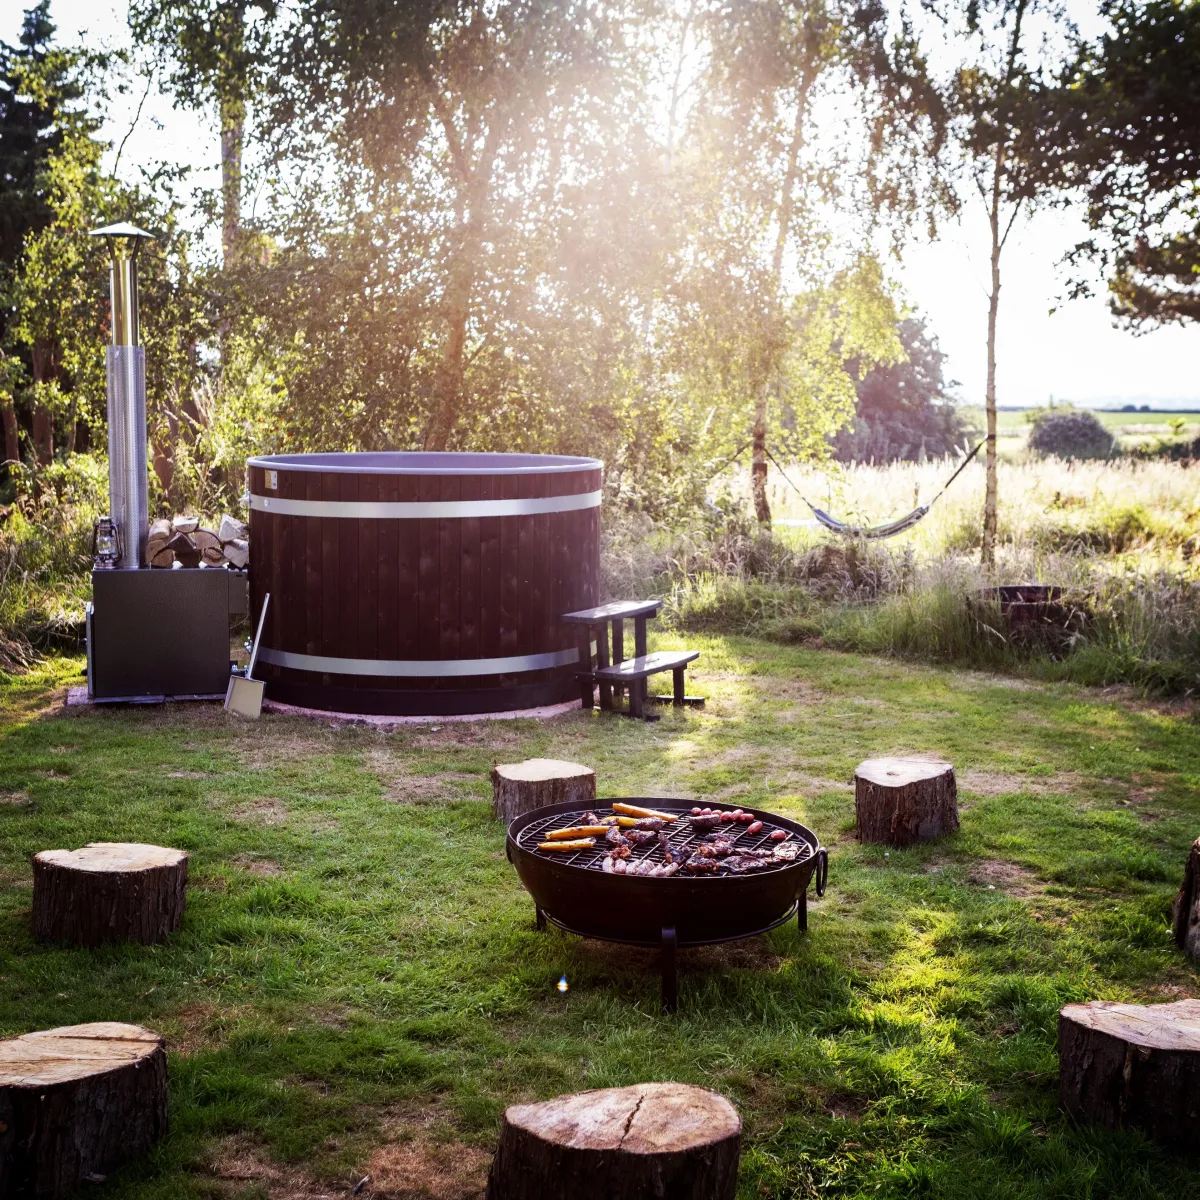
358 986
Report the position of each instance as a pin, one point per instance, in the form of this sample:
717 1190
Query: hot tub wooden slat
348 590
313 595
450 563
510 574
489 574
368 572
428 574
388 549
468 646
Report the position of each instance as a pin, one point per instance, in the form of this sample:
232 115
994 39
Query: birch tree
1001 96
212 52
800 103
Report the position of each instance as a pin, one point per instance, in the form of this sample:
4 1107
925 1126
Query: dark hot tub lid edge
427 462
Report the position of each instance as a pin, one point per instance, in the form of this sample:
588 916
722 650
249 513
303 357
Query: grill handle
822 872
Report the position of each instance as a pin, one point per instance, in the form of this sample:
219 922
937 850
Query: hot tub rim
451 462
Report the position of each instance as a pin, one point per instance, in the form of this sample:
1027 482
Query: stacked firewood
182 543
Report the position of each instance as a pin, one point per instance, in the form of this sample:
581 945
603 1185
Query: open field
358 987
1130 428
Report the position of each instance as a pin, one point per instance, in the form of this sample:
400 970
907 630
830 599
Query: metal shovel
244 695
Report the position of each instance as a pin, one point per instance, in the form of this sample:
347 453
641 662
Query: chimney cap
121 229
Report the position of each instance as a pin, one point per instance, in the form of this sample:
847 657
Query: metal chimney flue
128 478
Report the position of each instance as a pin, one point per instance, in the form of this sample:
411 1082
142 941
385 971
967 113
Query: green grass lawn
358 987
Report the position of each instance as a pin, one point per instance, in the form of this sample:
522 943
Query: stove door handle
822 872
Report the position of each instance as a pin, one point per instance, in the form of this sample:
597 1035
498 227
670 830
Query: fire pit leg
540 919
802 911
669 990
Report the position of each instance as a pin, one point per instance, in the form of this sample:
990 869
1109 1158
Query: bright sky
1075 354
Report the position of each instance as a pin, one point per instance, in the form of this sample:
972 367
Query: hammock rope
890 528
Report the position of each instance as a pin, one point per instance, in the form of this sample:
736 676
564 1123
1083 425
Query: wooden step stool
622 673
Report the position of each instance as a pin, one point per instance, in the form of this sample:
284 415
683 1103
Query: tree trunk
108 892
72 422
758 463
1187 907
12 440
898 801
987 555
519 788
448 385
1133 1066
44 371
233 122
653 1139
76 1102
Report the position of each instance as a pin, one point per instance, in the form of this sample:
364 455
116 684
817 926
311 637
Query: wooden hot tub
422 583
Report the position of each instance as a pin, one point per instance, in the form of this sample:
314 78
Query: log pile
655 1139
182 543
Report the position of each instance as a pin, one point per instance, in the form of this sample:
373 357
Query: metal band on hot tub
431 668
391 510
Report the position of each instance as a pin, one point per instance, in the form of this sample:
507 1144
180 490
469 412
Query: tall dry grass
1118 536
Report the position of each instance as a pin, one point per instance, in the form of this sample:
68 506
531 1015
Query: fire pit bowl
572 891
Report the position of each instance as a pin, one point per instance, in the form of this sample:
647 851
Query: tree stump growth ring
898 801
651 1140
76 1102
518 788
108 892
1133 1066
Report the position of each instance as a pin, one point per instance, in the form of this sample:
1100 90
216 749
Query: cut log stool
654 1139
108 892
76 1102
1133 1066
898 801
518 788
1187 907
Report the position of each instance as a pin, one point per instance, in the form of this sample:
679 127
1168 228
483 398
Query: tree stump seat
108 892
898 801
654 1139
1186 913
76 1102
1133 1066
518 788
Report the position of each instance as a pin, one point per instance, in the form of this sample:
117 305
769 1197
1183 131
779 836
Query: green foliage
45 555
1128 132
1073 433
904 410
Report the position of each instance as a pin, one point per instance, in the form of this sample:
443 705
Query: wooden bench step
647 665
618 610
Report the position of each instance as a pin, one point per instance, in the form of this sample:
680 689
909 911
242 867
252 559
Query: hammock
891 528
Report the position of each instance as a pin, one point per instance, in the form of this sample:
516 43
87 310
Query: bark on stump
1187 907
108 892
903 800
1133 1066
519 788
655 1139
77 1101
